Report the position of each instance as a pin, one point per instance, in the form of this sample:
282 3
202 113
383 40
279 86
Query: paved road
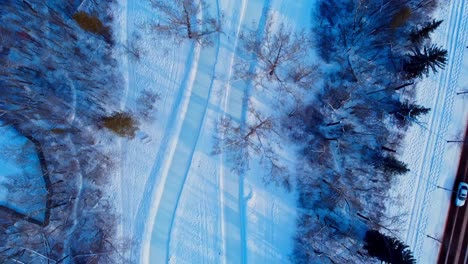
454 247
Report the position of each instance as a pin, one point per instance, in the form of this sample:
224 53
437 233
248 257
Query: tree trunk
403 86
187 23
388 149
254 129
275 63
333 123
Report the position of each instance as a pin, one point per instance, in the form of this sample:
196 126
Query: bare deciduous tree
259 138
282 54
186 19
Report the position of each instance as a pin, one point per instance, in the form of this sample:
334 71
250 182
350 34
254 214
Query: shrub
121 123
92 24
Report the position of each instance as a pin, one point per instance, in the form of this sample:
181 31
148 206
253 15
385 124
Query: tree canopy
387 249
419 62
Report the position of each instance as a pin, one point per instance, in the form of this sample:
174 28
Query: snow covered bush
146 104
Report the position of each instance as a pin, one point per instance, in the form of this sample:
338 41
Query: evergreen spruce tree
393 166
412 111
419 62
387 249
416 36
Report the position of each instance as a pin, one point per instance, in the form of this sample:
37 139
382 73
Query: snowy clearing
184 204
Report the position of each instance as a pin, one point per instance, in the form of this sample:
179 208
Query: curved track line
433 150
168 145
145 212
196 137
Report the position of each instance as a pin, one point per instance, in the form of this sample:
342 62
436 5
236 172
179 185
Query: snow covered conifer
409 111
419 62
393 166
387 249
416 36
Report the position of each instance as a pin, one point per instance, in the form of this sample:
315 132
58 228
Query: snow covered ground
433 161
181 204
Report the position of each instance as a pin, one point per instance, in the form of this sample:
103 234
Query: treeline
353 129
59 86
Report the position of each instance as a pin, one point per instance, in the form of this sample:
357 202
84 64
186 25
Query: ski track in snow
182 148
435 144
225 103
165 155
195 137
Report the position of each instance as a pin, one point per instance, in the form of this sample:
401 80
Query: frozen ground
433 161
20 174
183 205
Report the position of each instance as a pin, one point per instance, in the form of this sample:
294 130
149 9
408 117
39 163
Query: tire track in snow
155 184
224 103
177 166
145 204
169 189
76 202
433 151
196 137
236 221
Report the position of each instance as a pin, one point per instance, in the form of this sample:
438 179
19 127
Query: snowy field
181 204
433 161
